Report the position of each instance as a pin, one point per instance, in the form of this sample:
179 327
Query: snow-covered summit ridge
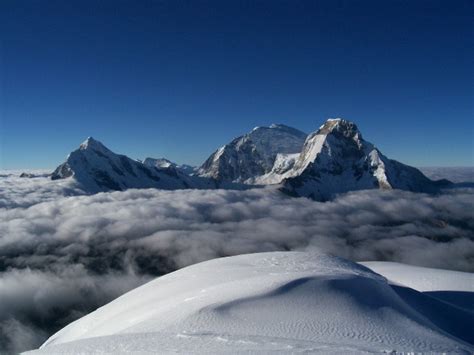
252 154
283 302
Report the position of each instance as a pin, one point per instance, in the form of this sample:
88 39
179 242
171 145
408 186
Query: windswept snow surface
454 287
286 302
423 278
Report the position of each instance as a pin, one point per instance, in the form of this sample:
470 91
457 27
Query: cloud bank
454 174
63 255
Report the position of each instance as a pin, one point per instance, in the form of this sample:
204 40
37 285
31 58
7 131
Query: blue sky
180 78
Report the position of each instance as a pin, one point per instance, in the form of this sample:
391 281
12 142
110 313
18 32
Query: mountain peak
91 143
252 154
340 125
96 168
335 159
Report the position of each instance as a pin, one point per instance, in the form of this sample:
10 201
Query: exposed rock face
252 154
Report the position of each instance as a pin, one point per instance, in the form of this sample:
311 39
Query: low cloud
25 192
454 174
62 256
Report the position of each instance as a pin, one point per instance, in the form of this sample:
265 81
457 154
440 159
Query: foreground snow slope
454 287
268 302
422 278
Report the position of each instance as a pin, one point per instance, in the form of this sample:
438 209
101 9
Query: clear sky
180 78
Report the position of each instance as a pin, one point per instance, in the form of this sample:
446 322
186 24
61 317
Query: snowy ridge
96 168
252 154
163 163
270 302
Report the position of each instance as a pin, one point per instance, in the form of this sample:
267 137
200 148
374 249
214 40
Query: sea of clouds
457 174
63 253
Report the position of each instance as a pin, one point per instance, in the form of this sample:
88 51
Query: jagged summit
336 159
339 125
90 140
91 143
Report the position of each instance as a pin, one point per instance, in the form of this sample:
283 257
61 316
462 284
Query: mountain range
96 168
334 159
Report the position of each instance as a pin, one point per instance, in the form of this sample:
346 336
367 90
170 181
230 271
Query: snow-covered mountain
252 154
161 163
96 168
280 302
336 159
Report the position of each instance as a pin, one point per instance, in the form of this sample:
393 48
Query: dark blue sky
180 78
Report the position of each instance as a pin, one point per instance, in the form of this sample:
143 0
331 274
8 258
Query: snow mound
269 302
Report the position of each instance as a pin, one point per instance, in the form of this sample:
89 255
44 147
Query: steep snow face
284 162
281 168
252 154
336 159
270 302
163 163
96 168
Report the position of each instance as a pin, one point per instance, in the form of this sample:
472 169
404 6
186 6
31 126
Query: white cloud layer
63 255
